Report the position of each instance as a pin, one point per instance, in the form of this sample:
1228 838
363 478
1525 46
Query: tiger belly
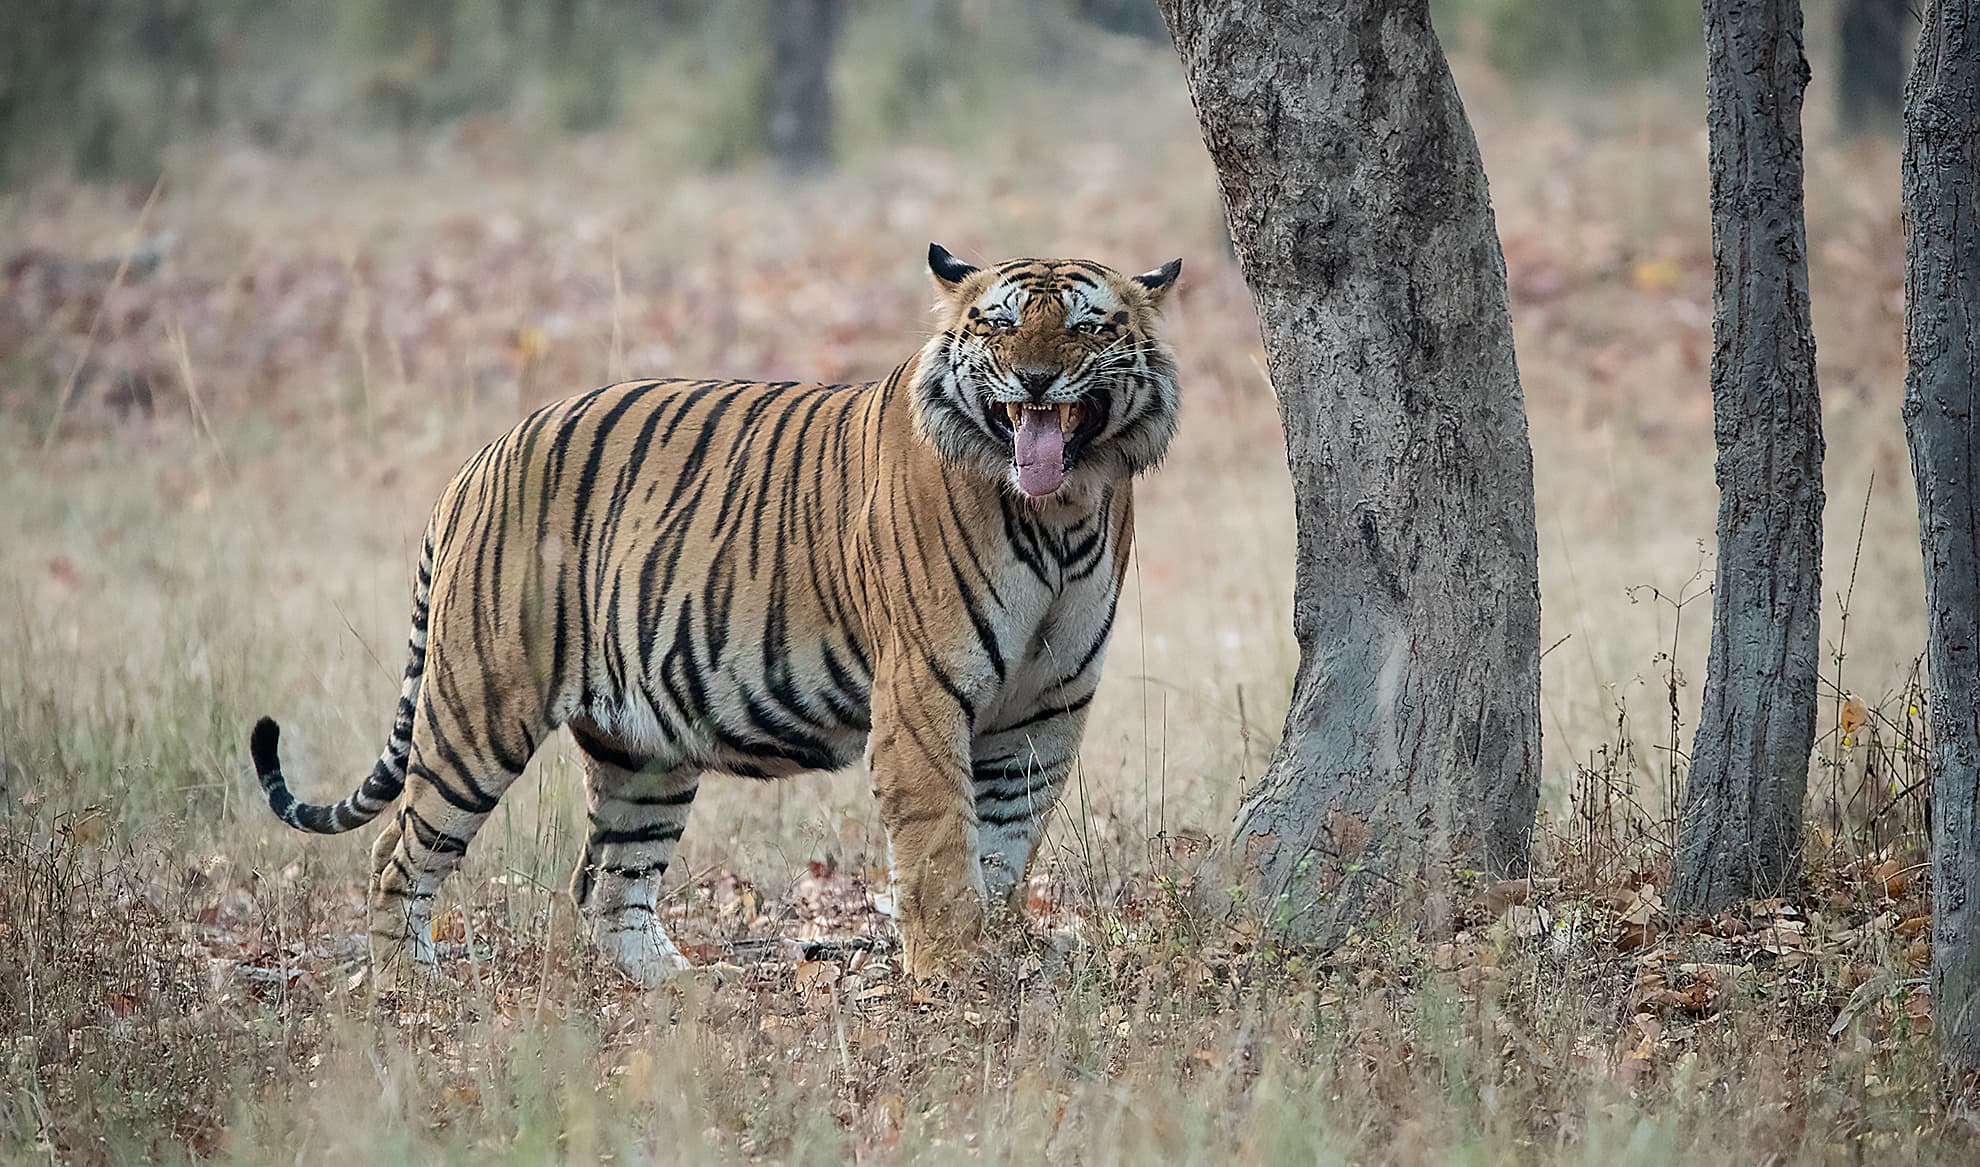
771 722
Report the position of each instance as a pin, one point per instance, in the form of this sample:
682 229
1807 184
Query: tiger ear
1159 281
949 271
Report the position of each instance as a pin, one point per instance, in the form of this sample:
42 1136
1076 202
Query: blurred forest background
270 271
385 219
107 89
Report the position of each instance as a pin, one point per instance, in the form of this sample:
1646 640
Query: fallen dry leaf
1779 939
816 975
1891 878
1866 995
88 827
1852 718
1527 921
1918 1010
450 927
1643 906
1505 893
1655 275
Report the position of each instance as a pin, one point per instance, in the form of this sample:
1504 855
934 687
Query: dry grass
215 517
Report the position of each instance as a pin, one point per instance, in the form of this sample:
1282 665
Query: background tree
1136 18
799 110
1942 421
1870 64
1357 202
1739 829
1598 41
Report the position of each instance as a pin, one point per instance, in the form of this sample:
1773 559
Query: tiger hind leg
1013 800
1016 779
425 841
637 812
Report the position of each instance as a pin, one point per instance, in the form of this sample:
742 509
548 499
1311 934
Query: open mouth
1040 434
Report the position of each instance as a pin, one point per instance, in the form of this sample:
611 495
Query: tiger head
1047 372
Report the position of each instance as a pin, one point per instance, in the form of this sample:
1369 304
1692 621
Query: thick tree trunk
1942 418
1739 833
1357 202
803 34
1870 63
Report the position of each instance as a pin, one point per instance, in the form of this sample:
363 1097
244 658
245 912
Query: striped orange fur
761 579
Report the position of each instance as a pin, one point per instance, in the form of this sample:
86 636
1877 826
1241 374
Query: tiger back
760 579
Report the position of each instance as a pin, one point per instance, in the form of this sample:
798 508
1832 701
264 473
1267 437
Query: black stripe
650 833
680 798
604 751
454 798
1005 820
641 871
431 837
1045 714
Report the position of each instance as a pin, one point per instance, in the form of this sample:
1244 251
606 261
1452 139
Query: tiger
760 579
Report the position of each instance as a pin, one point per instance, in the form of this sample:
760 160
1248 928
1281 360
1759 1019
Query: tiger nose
1035 381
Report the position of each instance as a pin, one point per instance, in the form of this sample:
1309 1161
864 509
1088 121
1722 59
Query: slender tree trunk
562 30
931 29
1357 202
1739 833
803 34
1136 18
1870 64
1942 419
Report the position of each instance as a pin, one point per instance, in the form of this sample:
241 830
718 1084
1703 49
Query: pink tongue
1041 452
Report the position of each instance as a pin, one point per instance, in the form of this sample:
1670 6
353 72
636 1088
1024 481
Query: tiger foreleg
920 767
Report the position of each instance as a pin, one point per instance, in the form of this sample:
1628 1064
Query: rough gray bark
803 34
1739 830
1870 63
1942 420
1357 202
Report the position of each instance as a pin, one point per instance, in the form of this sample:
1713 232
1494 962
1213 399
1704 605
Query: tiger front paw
641 951
402 966
940 935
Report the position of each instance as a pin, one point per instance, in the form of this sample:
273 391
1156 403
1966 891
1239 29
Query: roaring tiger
761 579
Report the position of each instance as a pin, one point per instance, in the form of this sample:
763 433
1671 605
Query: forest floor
214 469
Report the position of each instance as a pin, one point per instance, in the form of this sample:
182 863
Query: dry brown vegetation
213 473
